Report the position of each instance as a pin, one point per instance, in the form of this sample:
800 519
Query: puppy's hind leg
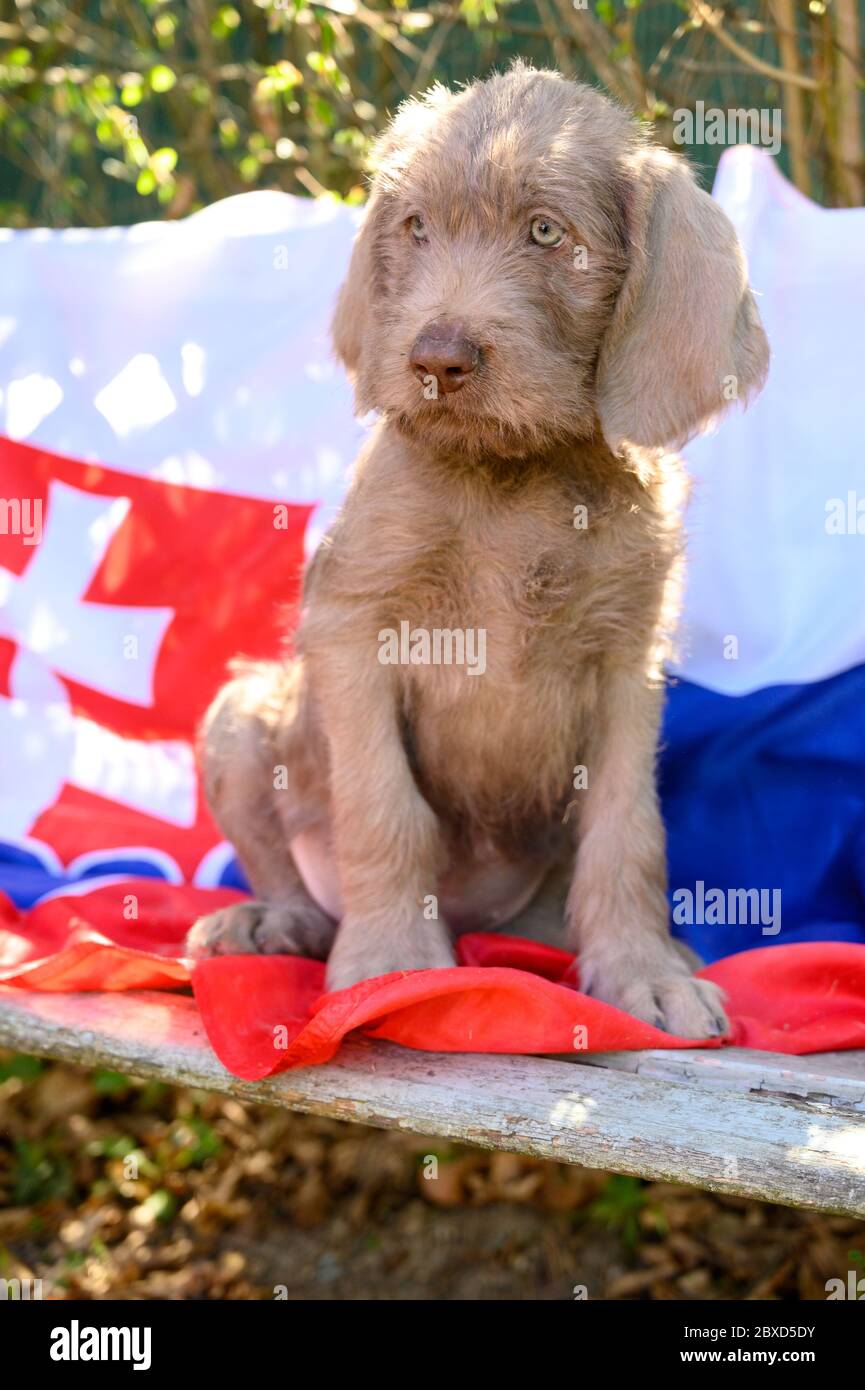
263 783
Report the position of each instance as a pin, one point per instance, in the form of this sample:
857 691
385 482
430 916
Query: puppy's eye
545 232
417 227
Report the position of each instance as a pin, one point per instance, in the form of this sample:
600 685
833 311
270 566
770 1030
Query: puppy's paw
661 991
364 950
262 929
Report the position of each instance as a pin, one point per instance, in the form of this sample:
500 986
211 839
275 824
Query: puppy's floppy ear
685 337
350 320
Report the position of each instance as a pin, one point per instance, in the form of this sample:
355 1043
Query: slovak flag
176 436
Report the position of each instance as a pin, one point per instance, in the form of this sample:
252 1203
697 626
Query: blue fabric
767 790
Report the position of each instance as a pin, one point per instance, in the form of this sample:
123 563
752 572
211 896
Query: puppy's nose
442 350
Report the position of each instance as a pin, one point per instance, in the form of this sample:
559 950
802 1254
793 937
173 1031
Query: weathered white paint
828 1078
802 1152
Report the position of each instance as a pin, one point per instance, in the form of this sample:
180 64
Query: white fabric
195 351
762 567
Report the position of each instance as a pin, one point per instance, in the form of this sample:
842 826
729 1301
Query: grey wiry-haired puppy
537 302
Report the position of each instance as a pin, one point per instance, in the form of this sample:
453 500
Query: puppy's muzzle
442 350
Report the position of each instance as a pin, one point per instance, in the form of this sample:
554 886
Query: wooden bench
757 1124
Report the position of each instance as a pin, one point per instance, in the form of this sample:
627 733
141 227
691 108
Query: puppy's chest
544 601
495 711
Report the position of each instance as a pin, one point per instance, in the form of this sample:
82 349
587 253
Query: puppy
538 304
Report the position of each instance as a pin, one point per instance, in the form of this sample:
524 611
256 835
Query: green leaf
101 88
21 1066
112 1146
163 27
38 1174
619 1206
162 162
161 78
145 183
224 21
106 133
136 151
159 1206
198 1140
109 1083
320 62
323 111
284 77
229 133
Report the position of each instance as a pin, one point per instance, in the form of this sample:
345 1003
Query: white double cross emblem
107 647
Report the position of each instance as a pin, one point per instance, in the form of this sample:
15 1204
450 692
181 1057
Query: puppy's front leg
386 836
617 907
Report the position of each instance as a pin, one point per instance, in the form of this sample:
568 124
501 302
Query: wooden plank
825 1078
789 1151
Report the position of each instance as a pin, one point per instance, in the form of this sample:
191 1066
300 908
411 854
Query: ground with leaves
116 1188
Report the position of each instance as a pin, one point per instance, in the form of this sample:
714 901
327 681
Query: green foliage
159 1207
39 1173
21 1067
109 1083
193 1141
117 111
114 112
619 1207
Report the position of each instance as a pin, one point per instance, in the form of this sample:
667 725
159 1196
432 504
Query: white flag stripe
765 567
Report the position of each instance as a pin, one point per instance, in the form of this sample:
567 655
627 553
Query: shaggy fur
415 801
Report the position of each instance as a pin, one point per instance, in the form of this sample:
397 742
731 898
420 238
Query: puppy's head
530 270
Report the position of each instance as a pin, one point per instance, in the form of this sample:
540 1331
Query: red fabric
266 1014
